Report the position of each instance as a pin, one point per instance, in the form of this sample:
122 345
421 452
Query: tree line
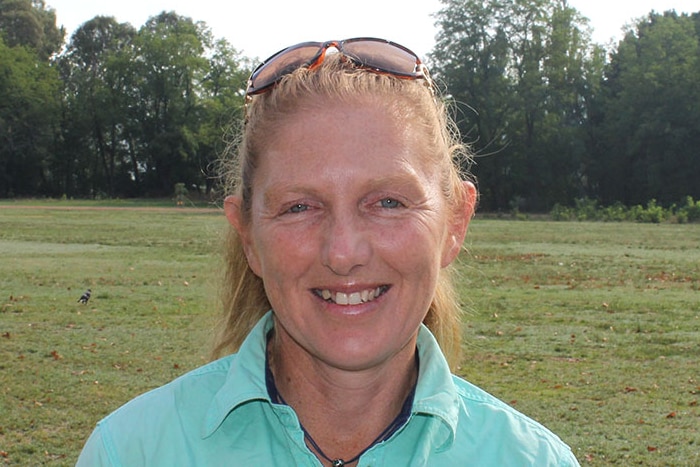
115 112
551 116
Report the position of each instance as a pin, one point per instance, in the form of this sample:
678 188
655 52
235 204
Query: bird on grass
85 297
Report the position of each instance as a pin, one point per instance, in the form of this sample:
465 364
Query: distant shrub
690 209
562 213
586 209
618 212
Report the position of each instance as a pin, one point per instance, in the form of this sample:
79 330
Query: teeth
341 298
355 298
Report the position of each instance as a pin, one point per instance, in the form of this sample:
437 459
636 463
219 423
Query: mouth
353 298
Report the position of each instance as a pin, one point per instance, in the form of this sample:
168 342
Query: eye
297 208
390 203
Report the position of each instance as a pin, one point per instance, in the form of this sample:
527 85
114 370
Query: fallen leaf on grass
50 456
630 389
652 448
92 347
56 355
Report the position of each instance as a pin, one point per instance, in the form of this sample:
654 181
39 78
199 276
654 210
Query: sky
259 28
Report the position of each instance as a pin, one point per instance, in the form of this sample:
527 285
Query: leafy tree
472 59
28 110
169 65
145 110
98 85
30 23
651 118
518 71
222 93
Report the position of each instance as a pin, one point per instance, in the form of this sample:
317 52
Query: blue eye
297 208
390 203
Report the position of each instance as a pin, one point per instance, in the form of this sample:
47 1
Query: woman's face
348 230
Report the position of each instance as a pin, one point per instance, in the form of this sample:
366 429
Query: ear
459 224
233 208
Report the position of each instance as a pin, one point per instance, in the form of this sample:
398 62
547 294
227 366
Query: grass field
591 328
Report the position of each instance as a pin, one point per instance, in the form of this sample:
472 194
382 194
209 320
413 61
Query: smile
354 298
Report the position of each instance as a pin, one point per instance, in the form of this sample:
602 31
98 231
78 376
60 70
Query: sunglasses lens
377 54
382 55
282 63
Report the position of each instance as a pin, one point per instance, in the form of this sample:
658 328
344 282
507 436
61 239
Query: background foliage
115 111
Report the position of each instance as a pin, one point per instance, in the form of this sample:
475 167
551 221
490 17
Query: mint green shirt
221 415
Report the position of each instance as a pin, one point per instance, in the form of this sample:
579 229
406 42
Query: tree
28 110
145 110
98 85
651 123
222 93
31 24
120 112
169 66
518 71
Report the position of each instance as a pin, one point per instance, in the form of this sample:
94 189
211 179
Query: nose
347 245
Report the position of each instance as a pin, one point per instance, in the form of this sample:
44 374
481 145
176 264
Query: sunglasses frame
420 71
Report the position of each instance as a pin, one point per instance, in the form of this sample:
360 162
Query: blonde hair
414 100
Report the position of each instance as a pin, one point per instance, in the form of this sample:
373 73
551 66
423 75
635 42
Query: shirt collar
245 380
436 394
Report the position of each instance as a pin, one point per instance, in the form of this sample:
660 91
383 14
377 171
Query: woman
347 210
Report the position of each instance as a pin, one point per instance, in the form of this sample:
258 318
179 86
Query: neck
365 401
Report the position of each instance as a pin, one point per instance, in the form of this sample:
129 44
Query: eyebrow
400 179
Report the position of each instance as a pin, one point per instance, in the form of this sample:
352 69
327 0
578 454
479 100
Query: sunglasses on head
378 55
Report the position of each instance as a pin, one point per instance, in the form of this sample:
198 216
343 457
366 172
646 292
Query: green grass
593 329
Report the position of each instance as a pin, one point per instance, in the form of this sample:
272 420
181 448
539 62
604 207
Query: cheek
281 254
412 248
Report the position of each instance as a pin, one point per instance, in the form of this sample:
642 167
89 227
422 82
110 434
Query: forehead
367 133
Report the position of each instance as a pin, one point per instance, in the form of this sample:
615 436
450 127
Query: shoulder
170 413
196 387
504 433
178 420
